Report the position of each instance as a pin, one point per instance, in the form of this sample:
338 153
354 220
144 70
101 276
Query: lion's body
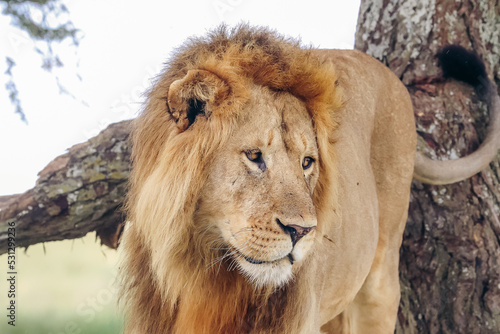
377 138
269 192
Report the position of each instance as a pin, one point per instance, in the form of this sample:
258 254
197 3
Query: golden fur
221 176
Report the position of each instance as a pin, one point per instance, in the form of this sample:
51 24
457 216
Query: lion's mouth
254 261
266 273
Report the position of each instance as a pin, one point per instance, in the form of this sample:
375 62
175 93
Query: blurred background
58 90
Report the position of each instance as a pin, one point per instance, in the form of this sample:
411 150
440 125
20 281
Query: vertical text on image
11 273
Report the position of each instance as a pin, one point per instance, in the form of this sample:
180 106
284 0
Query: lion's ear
194 96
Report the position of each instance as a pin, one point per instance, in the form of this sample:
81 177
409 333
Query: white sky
125 44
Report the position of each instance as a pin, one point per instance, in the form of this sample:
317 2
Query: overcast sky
124 45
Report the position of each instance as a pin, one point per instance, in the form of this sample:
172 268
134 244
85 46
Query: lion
270 189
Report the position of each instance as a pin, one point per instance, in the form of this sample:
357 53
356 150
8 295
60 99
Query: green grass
68 288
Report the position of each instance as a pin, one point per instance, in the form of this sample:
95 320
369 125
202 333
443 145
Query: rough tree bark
450 257
78 192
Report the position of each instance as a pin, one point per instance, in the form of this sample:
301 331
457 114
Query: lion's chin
266 274
275 273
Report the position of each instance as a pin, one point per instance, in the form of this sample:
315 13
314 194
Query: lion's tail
463 65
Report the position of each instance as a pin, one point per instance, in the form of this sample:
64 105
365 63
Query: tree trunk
78 192
450 256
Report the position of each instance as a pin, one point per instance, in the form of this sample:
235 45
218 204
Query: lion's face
259 189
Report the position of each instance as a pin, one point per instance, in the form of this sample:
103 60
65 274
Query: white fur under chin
274 274
277 273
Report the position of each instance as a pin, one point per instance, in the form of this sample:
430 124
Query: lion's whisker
226 255
235 251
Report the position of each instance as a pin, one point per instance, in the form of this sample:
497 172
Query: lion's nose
295 231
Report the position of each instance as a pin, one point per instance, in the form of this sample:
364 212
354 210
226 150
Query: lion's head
231 166
259 191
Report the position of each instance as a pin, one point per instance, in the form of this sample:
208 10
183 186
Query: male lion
270 189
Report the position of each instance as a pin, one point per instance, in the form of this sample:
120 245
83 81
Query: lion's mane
167 285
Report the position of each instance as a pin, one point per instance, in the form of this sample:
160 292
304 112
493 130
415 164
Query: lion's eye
255 156
307 162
